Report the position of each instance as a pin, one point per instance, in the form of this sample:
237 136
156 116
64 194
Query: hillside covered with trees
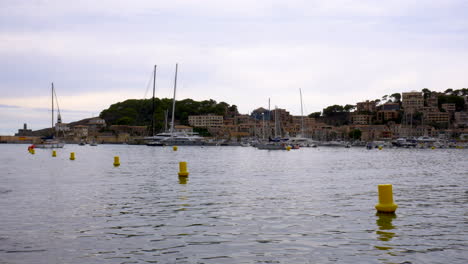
138 112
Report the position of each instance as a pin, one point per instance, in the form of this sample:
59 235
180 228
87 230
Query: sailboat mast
302 115
154 88
276 122
166 113
52 107
269 118
263 126
173 101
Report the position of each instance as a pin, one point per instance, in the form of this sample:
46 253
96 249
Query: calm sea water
239 205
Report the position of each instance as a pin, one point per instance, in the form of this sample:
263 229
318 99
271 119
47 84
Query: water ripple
240 205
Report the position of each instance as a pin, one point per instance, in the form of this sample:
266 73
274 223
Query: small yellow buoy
54 153
183 169
174 148
33 151
380 147
72 155
116 161
386 204
432 147
288 148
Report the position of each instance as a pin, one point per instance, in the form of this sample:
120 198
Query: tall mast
276 121
166 113
263 126
302 115
152 115
269 118
173 101
52 107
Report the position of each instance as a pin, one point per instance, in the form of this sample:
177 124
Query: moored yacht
50 142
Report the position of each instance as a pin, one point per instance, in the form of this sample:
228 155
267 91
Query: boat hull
271 146
50 145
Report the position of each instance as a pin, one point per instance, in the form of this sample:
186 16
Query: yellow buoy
54 153
174 148
380 147
432 147
183 169
116 161
72 155
33 151
386 204
288 148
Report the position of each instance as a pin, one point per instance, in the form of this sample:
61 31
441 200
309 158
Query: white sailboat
173 138
50 142
273 144
301 140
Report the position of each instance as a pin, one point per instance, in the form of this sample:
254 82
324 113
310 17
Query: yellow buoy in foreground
432 147
288 148
386 204
33 151
380 147
116 161
183 169
174 148
54 153
72 155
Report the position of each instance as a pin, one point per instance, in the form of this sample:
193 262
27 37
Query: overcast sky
242 52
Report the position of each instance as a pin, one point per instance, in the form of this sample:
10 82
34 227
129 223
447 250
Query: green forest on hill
138 112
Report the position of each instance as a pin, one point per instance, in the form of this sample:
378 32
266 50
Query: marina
238 205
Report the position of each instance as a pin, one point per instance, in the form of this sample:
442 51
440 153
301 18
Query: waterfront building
436 117
415 131
95 124
385 115
24 132
432 101
448 107
358 119
61 128
461 119
412 101
367 106
80 131
206 121
241 119
282 115
390 107
374 132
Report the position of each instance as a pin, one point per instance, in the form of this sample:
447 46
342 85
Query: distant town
442 115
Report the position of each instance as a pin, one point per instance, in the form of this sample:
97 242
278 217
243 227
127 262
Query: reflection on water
302 206
183 180
384 222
